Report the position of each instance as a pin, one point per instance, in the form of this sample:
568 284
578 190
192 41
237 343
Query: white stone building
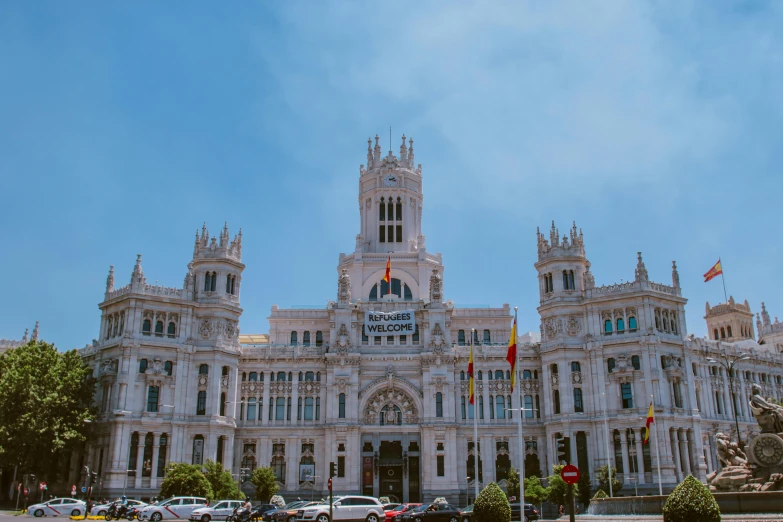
177 382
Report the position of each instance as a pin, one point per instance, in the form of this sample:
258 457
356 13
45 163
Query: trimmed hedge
691 501
491 505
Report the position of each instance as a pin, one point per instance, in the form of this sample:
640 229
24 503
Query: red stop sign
570 474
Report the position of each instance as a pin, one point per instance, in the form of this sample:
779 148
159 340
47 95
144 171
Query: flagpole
475 425
657 449
723 278
519 430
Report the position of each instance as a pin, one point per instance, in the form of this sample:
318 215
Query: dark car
431 513
286 513
260 509
531 513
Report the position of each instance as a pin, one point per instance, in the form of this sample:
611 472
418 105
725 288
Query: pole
16 468
723 278
657 451
475 425
519 432
608 459
331 500
571 504
730 371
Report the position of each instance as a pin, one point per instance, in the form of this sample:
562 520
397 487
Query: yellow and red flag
472 385
511 356
387 276
650 420
713 272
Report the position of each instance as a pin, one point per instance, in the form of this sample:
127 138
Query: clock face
390 180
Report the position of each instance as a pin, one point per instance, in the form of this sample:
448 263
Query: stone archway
390 401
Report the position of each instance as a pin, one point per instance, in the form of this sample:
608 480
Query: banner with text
401 322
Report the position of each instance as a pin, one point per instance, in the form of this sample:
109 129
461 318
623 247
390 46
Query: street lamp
729 362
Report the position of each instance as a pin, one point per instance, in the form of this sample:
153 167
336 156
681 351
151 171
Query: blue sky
125 125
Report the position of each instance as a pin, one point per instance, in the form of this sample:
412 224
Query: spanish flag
511 356
650 420
472 385
387 276
713 272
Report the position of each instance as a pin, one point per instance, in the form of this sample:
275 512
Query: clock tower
390 199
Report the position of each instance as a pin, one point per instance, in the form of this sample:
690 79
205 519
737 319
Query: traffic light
332 470
93 477
563 450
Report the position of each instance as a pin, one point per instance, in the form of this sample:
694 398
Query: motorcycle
117 511
241 514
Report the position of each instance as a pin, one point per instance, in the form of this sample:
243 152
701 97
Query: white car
219 511
365 509
173 508
101 509
68 507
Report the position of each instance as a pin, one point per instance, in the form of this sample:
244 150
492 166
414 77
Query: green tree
532 466
535 493
185 479
583 489
222 483
689 502
602 476
512 483
45 406
265 481
558 489
491 505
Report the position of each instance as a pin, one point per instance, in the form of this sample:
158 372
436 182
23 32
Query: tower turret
216 268
563 268
730 321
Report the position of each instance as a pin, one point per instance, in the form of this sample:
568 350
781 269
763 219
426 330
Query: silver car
220 510
67 507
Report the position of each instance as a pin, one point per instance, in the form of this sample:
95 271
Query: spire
410 153
641 270
764 315
554 235
110 280
369 153
34 337
376 157
758 324
707 308
26 337
675 275
403 151
138 273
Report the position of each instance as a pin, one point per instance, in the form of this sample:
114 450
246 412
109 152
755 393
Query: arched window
480 375
382 214
207 281
203 369
553 368
213 282
461 338
308 408
636 363
620 325
632 323
475 337
341 410
306 339
528 406
201 403
280 409
318 377
290 376
486 337
578 406
462 375
565 280
715 333
146 327
407 294
500 407
722 333
253 376
281 376
610 364
439 405
224 371
556 401
489 375
159 329
608 326
168 367
499 375
223 404
309 376
571 285
576 367
728 330
172 330
390 415
526 374
293 339
462 407
143 366
398 210
319 338
508 375
109 329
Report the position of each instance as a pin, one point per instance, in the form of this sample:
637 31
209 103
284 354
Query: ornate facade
177 381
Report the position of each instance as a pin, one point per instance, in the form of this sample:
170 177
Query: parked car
173 508
220 510
391 515
286 513
531 513
101 509
434 512
391 506
58 506
349 507
260 509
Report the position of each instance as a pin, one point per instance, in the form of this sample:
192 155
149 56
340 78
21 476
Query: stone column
675 454
640 454
624 446
140 459
684 453
154 463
